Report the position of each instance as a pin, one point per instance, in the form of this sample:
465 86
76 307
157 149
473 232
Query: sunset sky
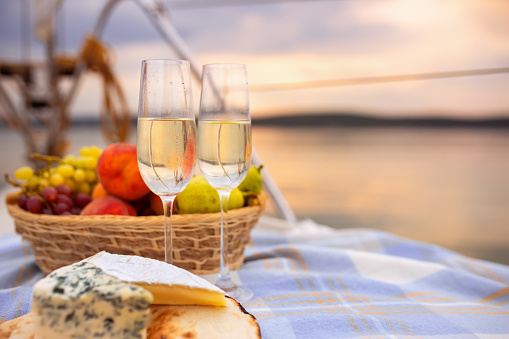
298 41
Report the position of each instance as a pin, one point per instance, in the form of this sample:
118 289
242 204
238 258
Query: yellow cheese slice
183 295
169 284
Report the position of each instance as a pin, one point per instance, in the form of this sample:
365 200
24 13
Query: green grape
56 179
43 182
79 162
90 163
46 174
84 187
65 170
24 173
32 183
69 159
95 152
72 185
91 176
85 151
79 175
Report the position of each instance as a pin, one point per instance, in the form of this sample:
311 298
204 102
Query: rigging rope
115 116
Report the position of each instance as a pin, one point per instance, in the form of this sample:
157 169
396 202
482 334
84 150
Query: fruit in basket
50 194
200 197
108 205
253 181
117 169
64 189
98 191
71 177
24 173
72 185
142 206
236 199
34 204
22 201
81 200
197 197
156 204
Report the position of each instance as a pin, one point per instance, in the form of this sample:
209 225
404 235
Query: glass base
239 293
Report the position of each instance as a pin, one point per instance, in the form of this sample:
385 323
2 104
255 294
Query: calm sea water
449 187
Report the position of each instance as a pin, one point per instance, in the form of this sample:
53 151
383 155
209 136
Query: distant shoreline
353 120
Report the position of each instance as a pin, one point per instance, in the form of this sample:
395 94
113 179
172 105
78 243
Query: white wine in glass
224 148
166 134
225 152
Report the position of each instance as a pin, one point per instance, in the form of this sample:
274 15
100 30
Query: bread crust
194 322
18 328
178 322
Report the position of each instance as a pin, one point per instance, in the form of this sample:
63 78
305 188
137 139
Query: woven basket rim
14 209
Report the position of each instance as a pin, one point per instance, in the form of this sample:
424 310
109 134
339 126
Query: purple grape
61 208
82 199
66 213
47 211
64 189
65 199
76 210
34 204
50 194
22 201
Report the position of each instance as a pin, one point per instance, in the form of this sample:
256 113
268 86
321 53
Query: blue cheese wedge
169 284
82 301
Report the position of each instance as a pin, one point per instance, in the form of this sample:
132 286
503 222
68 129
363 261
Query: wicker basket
62 240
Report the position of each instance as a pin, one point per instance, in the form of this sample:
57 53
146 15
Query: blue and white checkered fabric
323 283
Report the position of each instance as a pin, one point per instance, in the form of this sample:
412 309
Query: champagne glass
224 147
166 134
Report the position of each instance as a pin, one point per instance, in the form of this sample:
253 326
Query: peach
98 191
157 205
108 205
118 172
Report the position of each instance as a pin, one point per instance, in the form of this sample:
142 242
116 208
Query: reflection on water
445 186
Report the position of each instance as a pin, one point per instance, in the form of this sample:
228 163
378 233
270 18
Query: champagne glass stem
168 239
223 279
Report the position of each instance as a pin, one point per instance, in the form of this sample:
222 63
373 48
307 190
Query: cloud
467 96
327 27
307 41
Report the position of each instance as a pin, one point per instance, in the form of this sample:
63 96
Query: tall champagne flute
224 147
166 134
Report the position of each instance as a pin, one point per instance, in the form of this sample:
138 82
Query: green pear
200 197
236 199
253 181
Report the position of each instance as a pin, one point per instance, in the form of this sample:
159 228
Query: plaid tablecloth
315 282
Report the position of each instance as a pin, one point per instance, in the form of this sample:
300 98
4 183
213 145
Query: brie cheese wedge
169 284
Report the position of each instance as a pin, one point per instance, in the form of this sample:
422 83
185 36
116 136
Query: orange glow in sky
308 41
